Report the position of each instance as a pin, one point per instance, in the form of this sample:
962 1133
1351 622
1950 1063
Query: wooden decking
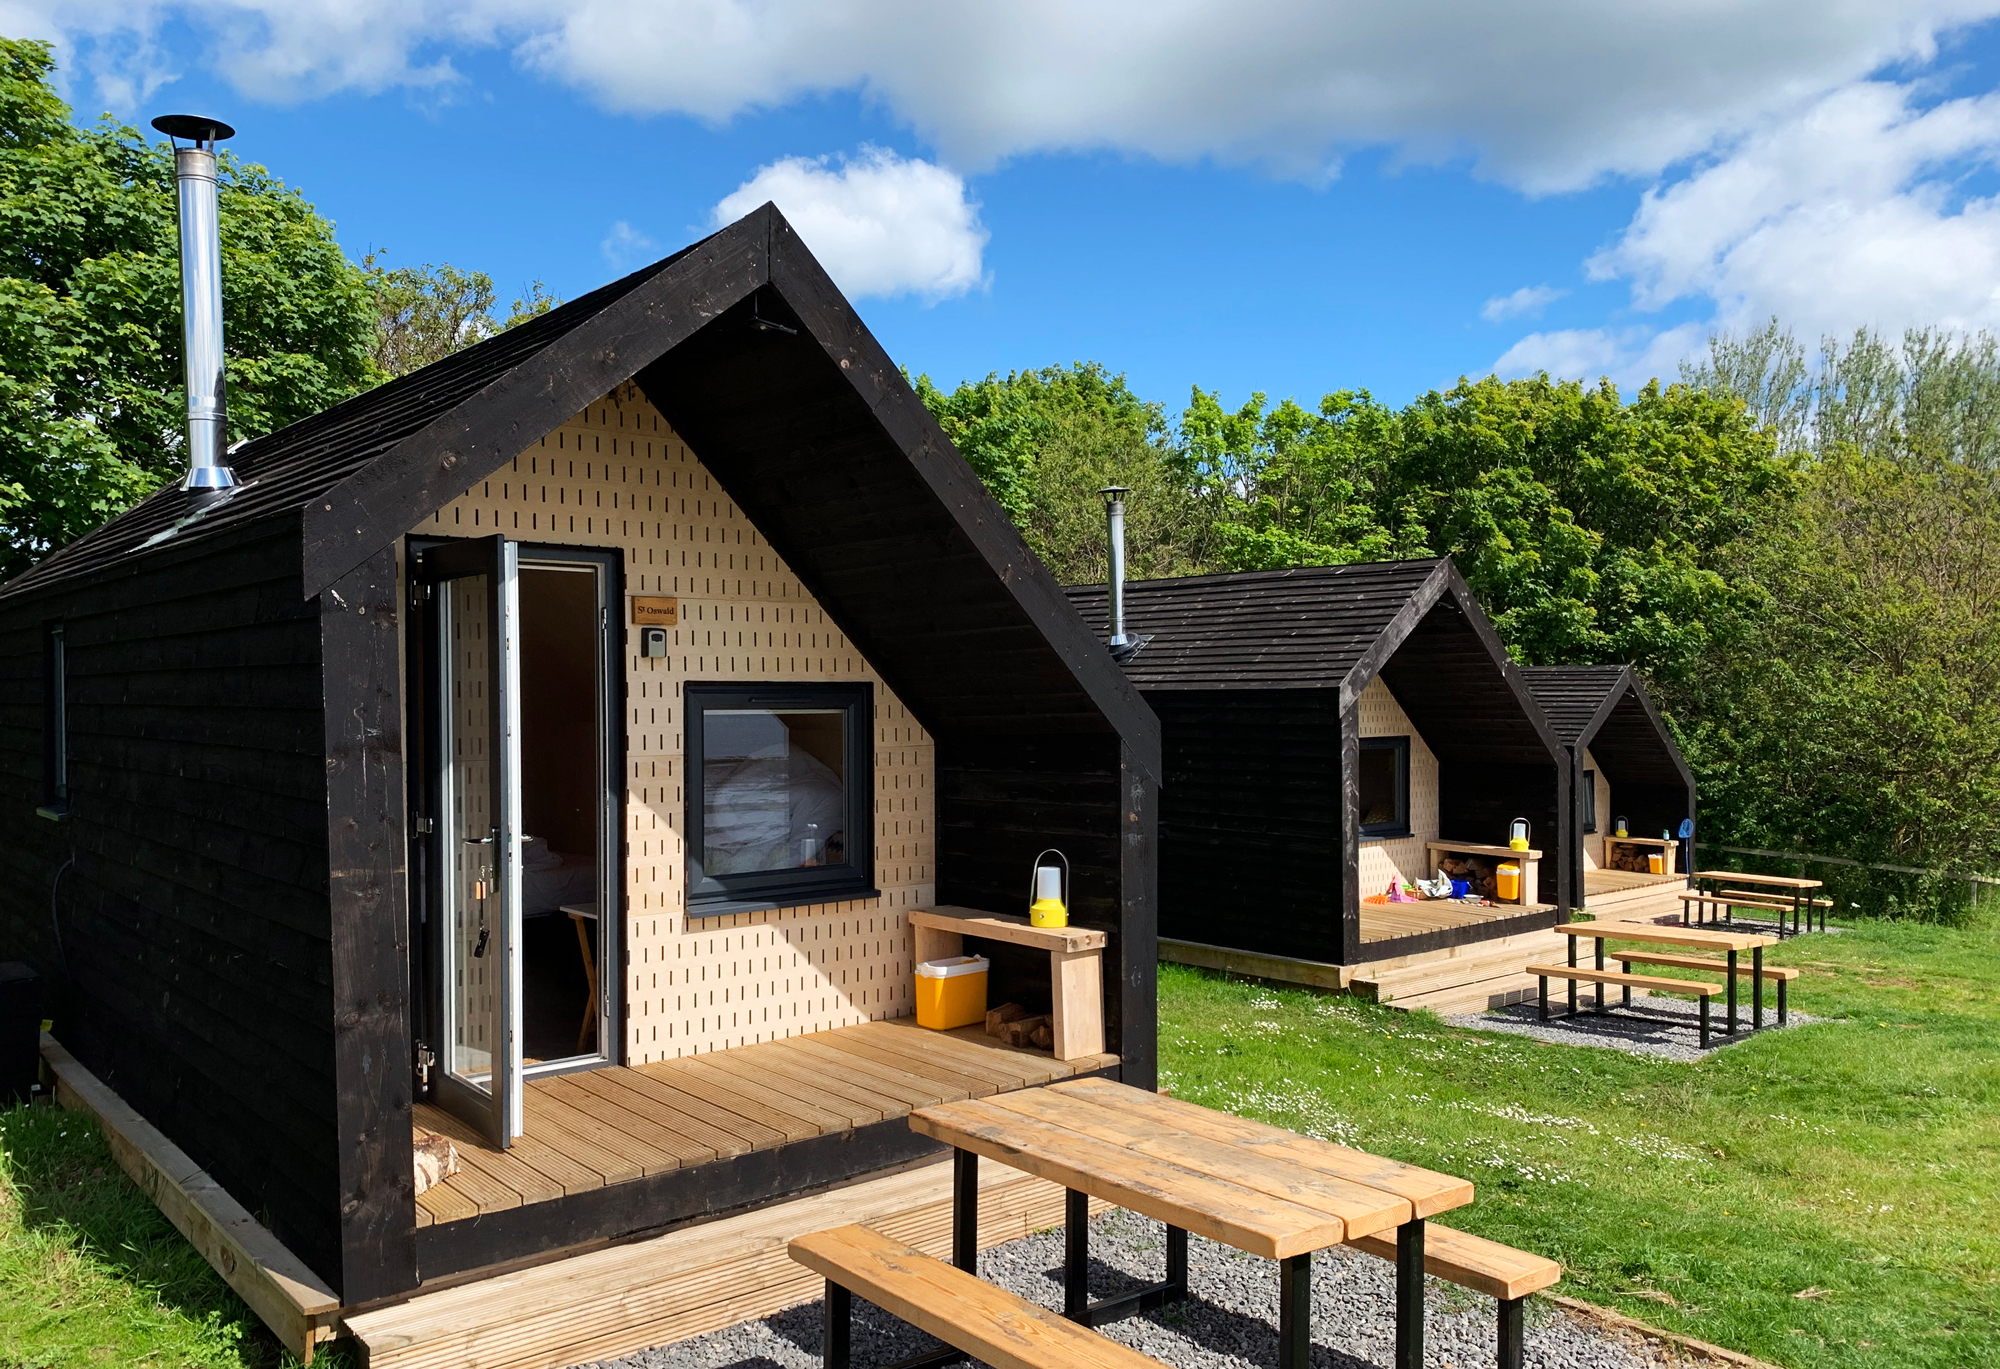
1387 921
1617 881
610 1126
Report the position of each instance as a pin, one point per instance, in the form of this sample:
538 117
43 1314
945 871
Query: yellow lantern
1048 891
1517 835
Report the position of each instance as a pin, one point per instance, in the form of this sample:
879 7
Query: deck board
1387 921
607 1126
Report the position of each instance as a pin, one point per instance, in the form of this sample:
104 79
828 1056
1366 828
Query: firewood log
999 1017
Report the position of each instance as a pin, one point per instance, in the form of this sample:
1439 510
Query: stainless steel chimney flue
201 297
1114 517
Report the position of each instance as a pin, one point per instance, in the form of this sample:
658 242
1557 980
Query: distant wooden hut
1624 767
523 738
1330 734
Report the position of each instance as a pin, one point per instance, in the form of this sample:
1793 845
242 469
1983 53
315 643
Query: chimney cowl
201 297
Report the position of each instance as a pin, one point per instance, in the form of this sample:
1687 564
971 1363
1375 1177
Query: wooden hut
366 792
1330 734
1624 770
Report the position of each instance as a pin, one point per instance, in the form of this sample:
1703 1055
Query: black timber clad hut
221 716
1613 735
1271 688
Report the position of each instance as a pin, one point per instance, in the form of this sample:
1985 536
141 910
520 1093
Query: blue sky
1290 198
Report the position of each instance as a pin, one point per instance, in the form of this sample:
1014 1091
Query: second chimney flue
201 297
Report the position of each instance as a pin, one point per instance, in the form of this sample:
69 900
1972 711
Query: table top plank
1778 881
1427 1190
1667 936
1360 1208
1009 927
1222 1211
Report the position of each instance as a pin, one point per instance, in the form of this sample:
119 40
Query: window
780 792
55 725
1590 800
1385 786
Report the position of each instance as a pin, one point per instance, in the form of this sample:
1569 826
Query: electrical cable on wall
55 921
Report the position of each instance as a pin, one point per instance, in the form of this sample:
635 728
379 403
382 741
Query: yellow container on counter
952 992
1656 862
1507 884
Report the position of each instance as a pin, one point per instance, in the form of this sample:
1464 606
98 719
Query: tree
91 409
425 313
1289 486
1857 710
1593 530
1046 442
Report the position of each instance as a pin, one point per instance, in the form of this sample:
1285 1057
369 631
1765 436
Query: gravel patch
1667 1027
1230 1321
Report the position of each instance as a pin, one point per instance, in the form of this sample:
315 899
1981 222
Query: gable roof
1415 623
1606 709
749 350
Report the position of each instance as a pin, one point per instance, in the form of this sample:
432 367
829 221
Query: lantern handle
1037 864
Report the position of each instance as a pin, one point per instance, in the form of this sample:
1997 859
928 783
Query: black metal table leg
838 1347
1625 967
1512 1335
1410 1295
1295 1300
1076 1256
1781 1002
1757 988
965 1210
1542 996
1732 993
1704 1021
1177 1261
1600 966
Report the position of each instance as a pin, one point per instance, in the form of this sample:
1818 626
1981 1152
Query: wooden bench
1763 900
1484 1266
1076 966
1655 983
959 1308
1780 973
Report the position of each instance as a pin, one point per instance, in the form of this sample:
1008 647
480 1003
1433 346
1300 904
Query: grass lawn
1823 1196
92 1274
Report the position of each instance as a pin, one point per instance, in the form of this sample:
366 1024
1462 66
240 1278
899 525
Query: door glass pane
774 789
472 906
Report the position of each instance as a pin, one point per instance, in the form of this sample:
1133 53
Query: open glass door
474 588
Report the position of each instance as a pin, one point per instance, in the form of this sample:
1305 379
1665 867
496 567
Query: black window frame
1400 826
1589 808
55 723
714 895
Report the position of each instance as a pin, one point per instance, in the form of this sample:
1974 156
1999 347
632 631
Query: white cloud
1541 94
1526 302
1848 214
625 246
1629 356
880 224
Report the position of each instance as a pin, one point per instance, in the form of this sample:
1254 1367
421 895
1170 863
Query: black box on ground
20 1032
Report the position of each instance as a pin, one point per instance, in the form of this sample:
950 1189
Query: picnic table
1262 1189
1732 942
1799 892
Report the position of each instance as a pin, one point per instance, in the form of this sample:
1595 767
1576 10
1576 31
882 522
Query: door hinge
425 1059
425 824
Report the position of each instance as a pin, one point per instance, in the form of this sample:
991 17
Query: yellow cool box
951 993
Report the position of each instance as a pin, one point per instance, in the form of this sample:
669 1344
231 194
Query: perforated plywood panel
1593 843
617 476
1384 859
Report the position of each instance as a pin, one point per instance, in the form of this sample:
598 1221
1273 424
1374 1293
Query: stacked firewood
1016 1026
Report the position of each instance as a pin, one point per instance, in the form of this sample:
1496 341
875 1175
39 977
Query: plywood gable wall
617 476
1593 843
1384 859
